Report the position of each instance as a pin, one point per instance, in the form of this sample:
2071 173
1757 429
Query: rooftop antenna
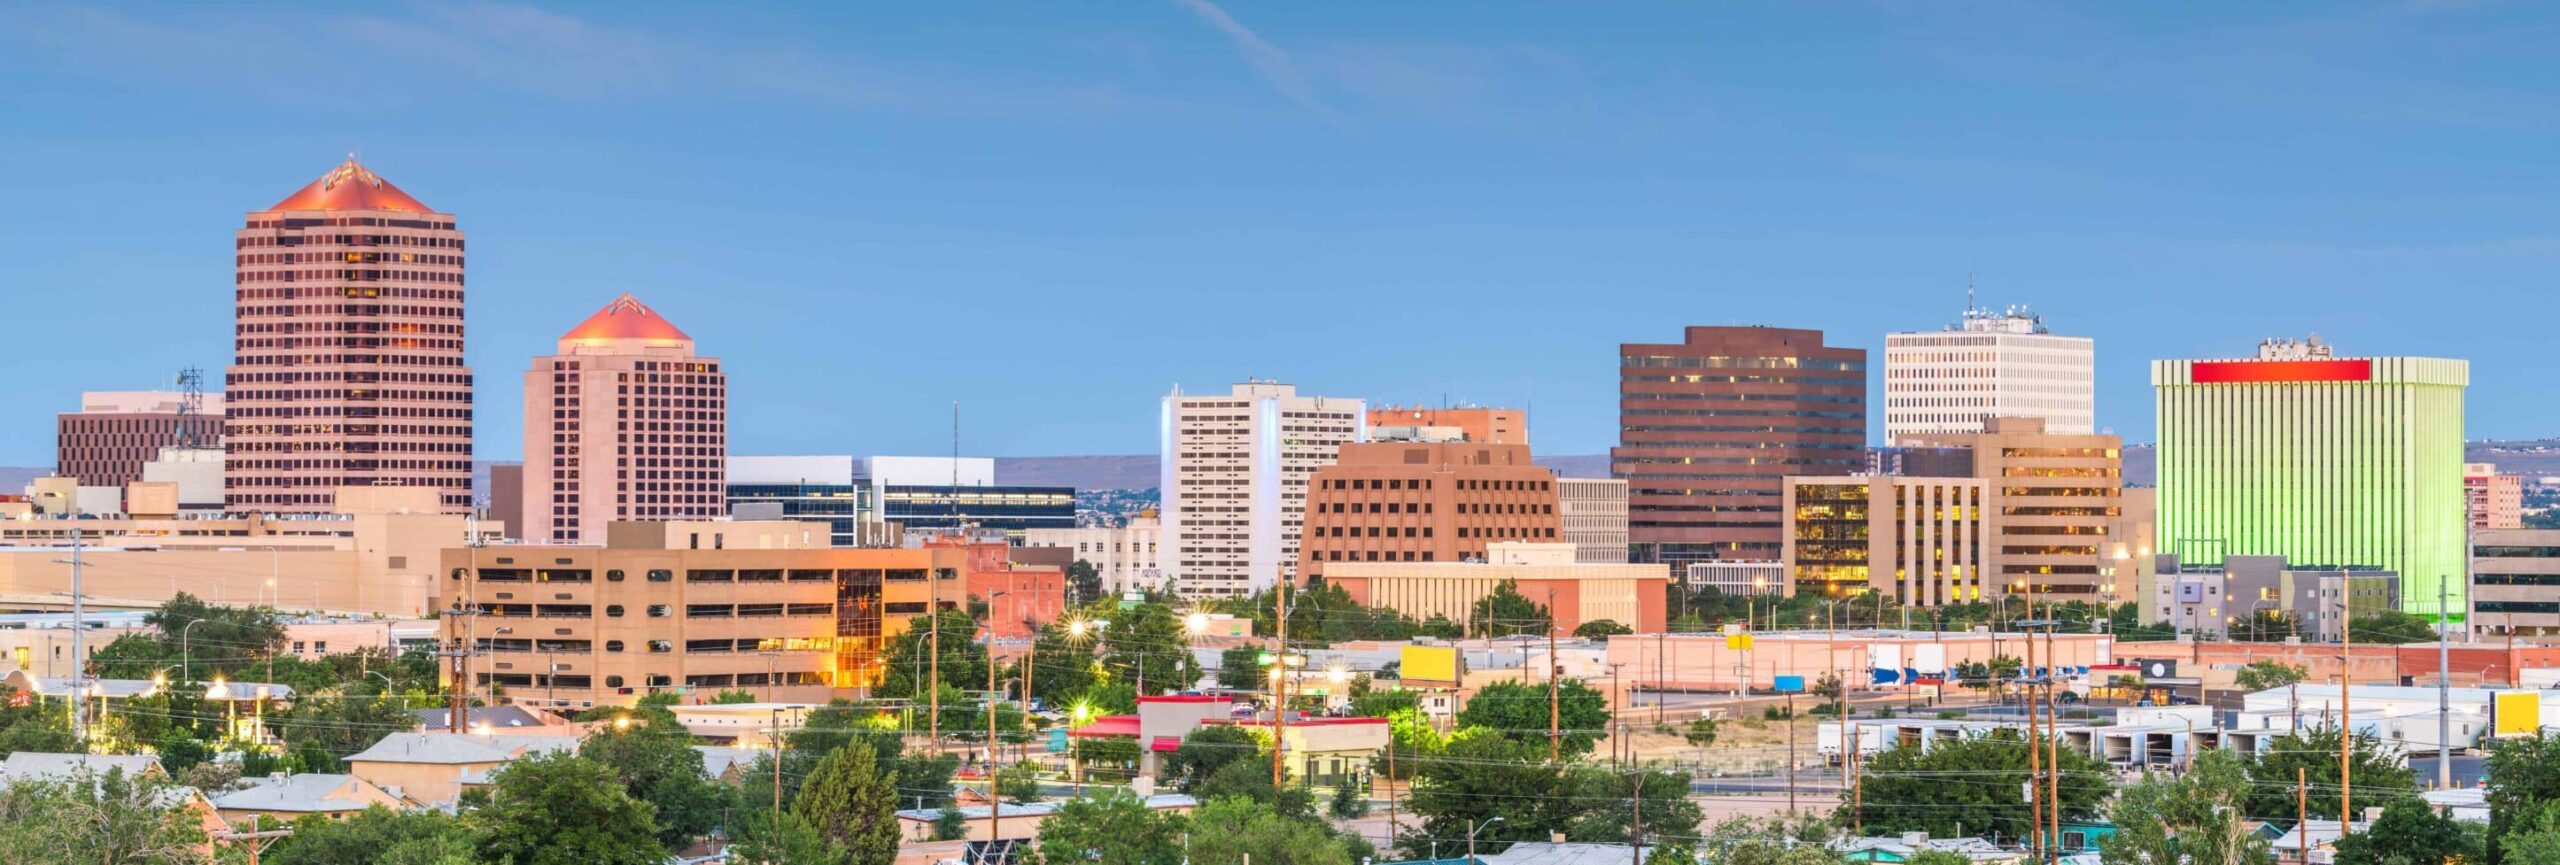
1968 288
190 407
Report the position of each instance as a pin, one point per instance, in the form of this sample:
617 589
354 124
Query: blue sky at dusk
1054 212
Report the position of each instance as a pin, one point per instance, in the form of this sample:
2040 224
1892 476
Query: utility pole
1616 725
1387 787
1791 753
1279 684
2053 741
79 657
1857 785
1555 706
2444 691
995 791
1635 832
2346 719
776 731
2302 813
2035 749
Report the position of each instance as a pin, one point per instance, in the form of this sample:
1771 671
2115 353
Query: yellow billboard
1737 642
2515 713
1430 666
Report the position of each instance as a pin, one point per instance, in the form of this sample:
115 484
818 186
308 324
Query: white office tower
1995 363
1235 469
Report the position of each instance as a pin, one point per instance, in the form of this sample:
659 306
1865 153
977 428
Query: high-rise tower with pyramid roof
625 422
347 365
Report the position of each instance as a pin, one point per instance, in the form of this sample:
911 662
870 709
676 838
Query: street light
1472 829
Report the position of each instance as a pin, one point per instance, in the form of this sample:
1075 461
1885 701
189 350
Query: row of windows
352 292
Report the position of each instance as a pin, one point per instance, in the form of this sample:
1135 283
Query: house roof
302 794
2321 833
1109 725
717 761
1159 802
458 749
351 186
1905 847
113 689
494 716
29 765
1541 853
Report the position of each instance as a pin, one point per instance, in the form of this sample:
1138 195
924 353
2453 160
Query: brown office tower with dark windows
1425 502
1710 428
347 362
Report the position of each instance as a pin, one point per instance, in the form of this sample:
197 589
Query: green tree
907 659
1233 829
560 809
1700 733
1970 786
1348 803
1411 739
2380 773
1506 613
1145 648
336 723
2391 627
2531 842
1482 775
376 836
2200 817
733 697
950 824
1603 810
1520 710
1601 628
1369 703
768 837
98 818
853 805
1062 665
1111 826
1252 780
1019 783
656 763
1084 581
2524 773
2410 833
1240 668
38 727
228 639
1206 750
2269 673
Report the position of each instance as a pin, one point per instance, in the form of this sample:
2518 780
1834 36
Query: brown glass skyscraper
1710 428
347 361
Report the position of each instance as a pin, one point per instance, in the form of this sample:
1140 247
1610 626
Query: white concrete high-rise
1235 469
1994 363
1595 518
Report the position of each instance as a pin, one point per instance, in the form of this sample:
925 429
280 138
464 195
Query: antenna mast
190 407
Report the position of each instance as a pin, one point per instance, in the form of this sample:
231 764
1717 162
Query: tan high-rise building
1425 502
2492 500
2057 502
1235 468
347 365
624 423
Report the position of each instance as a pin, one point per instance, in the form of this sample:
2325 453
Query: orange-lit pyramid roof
625 318
351 186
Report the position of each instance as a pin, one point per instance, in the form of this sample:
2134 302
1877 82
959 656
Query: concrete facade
2515 583
1712 426
1501 426
1235 469
691 607
114 433
1424 502
2492 500
348 365
1917 540
2053 502
1128 557
1993 363
624 423
1546 574
1595 518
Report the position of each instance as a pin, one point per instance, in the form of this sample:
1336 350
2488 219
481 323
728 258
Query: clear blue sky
1053 212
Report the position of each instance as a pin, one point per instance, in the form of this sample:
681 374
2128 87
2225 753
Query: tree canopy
560 809
2199 817
1505 613
852 805
1970 786
2380 773
1519 711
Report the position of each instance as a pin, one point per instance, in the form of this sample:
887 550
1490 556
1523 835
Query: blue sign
1790 684
1057 739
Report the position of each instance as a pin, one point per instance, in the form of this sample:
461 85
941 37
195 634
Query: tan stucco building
1545 573
690 607
625 422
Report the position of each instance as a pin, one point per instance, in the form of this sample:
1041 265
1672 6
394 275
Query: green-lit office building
2321 459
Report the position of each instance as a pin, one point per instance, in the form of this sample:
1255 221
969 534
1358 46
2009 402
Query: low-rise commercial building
1546 574
2212 600
1126 556
690 608
1739 578
2515 583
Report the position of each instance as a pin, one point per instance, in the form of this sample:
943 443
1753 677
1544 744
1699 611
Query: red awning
1110 725
1165 743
